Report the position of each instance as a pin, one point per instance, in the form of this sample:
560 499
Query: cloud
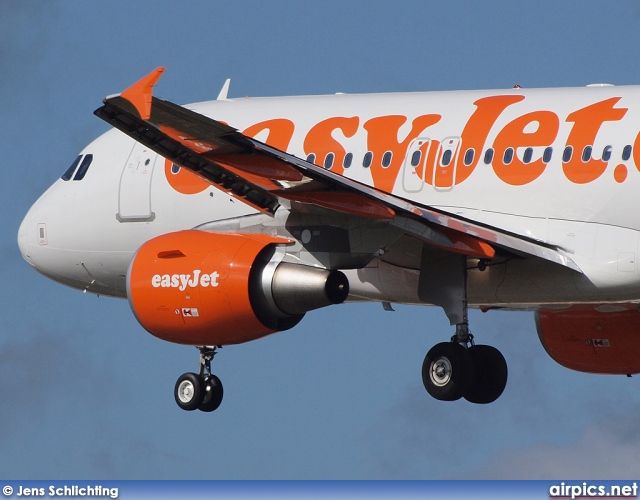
608 448
553 422
37 369
61 401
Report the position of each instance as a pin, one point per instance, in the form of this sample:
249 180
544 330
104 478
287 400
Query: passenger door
135 186
444 173
414 165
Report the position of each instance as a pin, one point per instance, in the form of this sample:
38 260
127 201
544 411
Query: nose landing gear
201 391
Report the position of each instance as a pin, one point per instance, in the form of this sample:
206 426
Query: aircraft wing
265 177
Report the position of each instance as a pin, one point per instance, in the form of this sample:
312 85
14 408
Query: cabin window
508 156
415 158
348 158
568 153
468 156
84 166
586 153
311 158
606 153
386 159
175 169
368 158
528 154
626 153
69 173
488 156
546 156
328 160
446 158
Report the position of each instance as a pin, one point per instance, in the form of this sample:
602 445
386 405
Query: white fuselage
85 232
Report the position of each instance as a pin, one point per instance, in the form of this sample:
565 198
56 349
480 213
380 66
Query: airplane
225 221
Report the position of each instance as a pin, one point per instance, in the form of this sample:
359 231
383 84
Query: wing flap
262 166
350 203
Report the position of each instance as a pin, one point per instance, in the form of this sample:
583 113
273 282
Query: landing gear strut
201 391
459 368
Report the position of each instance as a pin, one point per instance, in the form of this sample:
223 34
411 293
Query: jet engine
203 288
601 338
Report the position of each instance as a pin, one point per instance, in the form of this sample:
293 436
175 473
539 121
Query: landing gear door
134 203
444 173
414 165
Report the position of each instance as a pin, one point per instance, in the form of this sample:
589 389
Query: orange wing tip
140 93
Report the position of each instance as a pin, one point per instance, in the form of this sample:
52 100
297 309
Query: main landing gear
454 370
201 391
459 368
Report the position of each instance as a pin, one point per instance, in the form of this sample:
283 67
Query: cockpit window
84 166
67 175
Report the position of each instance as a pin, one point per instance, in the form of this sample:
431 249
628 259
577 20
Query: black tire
490 374
188 391
213 392
447 371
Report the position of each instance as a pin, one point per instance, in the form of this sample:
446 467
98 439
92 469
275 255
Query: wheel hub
185 391
440 372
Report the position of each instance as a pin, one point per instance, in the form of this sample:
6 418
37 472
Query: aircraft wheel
447 371
490 374
212 396
188 391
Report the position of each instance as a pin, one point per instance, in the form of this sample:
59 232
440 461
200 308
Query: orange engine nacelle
202 288
593 339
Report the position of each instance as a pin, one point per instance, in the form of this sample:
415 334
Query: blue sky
85 392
